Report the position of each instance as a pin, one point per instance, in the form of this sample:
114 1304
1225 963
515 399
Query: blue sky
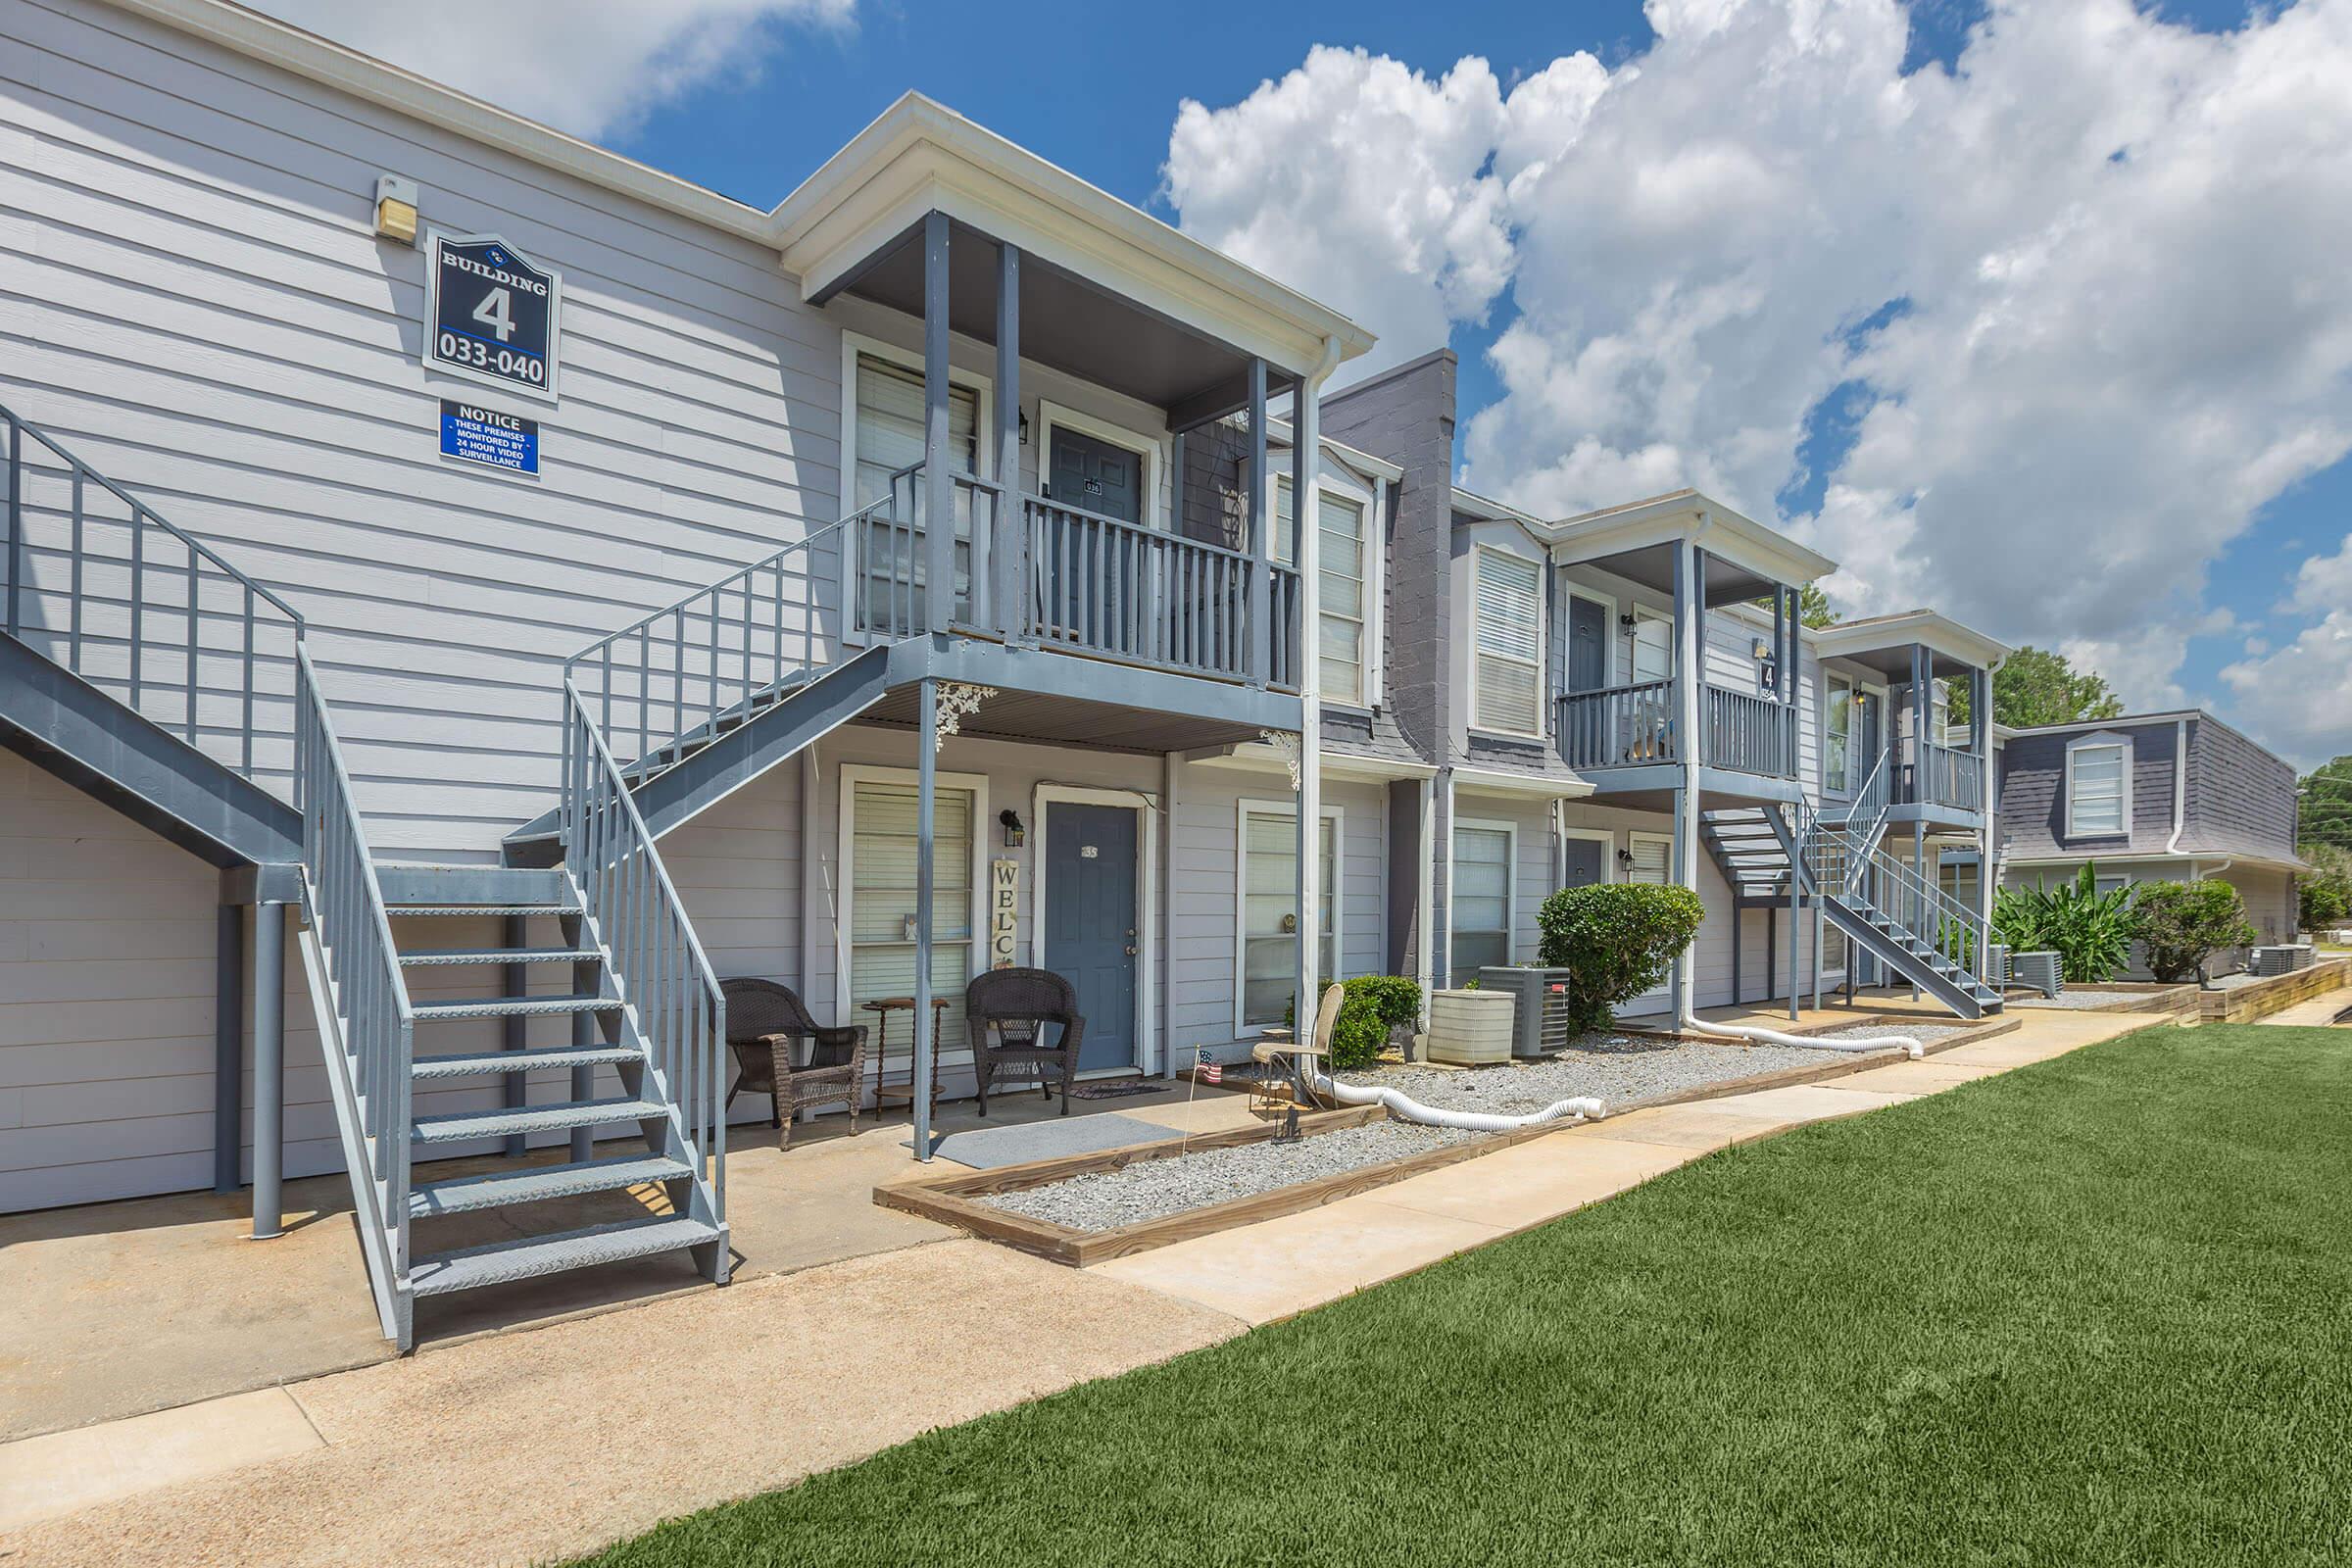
748 96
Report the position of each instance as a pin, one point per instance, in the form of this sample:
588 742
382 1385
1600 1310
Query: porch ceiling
1651 566
1052 719
1067 322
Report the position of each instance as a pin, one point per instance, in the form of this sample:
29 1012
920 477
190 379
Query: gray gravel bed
2077 1000
1927 1034
1612 1069
2231 982
1101 1201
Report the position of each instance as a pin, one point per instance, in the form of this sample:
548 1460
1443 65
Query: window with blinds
2094 790
1340 573
1269 873
1481 924
883 904
1507 643
889 439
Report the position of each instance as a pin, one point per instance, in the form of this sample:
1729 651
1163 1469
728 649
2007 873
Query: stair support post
515 1086
926 797
268 1068
228 1046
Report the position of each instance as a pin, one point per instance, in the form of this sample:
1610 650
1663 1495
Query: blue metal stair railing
362 995
97 583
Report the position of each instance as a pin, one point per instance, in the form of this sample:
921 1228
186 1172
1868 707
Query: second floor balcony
1639 727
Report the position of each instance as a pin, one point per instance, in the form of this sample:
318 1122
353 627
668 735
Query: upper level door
1587 644
1097 475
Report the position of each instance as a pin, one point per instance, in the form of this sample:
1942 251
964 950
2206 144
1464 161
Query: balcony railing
1077 581
1635 726
1938 775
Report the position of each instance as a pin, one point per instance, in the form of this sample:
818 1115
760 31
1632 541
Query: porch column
1008 533
1261 542
1440 907
926 796
1689 607
1787 627
269 1068
938 483
228 1047
1988 830
1424 902
1307 443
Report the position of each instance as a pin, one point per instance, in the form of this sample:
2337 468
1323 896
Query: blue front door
1091 915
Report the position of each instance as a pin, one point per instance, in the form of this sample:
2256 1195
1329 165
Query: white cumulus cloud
590 67
2078 299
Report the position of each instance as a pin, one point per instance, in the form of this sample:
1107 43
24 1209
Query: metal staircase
140 665
1883 905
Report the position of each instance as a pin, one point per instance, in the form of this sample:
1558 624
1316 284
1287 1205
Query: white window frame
1478 556
851 775
1511 885
1053 417
1243 810
2102 740
983 389
1147 897
1375 565
1830 682
1664 990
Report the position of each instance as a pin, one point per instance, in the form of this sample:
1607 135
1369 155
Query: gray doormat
987 1147
1121 1088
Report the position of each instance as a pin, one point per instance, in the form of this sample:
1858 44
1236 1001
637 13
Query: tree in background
2324 892
1812 607
2035 686
2181 924
2324 806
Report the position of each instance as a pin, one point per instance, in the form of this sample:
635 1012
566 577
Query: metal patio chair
1009 1012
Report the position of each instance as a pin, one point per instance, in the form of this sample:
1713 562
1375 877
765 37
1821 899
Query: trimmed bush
2090 931
1616 939
2181 924
1374 1001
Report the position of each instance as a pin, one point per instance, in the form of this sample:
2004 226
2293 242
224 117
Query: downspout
2180 784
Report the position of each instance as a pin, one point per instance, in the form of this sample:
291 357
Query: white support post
926 798
1261 543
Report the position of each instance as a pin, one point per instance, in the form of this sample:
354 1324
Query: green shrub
2090 931
1374 1001
2181 924
1616 939
2324 893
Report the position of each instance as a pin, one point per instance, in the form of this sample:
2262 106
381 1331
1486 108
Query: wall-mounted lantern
1015 835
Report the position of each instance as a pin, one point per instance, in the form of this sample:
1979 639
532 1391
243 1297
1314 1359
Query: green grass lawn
2093 1312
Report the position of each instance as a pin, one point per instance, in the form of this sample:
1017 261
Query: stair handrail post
16 553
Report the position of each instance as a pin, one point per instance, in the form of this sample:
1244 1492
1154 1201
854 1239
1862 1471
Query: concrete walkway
525 1446
2318 1012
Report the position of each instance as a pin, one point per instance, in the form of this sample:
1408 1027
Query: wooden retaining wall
2246 1003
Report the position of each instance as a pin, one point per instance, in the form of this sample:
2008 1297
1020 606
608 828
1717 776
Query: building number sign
491 314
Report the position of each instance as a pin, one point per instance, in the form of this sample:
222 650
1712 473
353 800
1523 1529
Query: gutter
2179 783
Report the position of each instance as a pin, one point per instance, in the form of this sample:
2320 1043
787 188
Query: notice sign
476 434
491 314
1003 912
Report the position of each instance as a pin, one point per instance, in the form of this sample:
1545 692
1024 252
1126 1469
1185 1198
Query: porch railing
1747 733
1939 775
657 961
353 938
99 584
1619 726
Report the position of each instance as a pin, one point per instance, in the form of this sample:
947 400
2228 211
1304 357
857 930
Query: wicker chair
763 1018
1008 1012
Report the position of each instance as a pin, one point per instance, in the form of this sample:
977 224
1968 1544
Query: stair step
421 909
471 1267
504 956
464 1194
456 1126
514 1007
464 1065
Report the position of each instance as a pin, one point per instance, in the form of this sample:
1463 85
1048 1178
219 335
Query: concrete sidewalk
524 1446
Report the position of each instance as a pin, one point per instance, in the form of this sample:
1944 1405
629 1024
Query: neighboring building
2151 798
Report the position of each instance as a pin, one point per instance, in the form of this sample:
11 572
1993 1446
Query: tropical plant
2090 931
2181 924
1616 939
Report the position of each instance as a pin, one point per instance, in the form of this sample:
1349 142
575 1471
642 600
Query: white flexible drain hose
1908 1045
1407 1108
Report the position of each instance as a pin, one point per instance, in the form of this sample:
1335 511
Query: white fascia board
1495 781
1937 632
1663 519
918 155
1278 433
1254 757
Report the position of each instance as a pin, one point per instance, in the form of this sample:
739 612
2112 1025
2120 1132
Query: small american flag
1210 1071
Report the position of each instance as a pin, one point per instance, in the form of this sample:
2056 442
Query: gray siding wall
2240 797
2032 773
